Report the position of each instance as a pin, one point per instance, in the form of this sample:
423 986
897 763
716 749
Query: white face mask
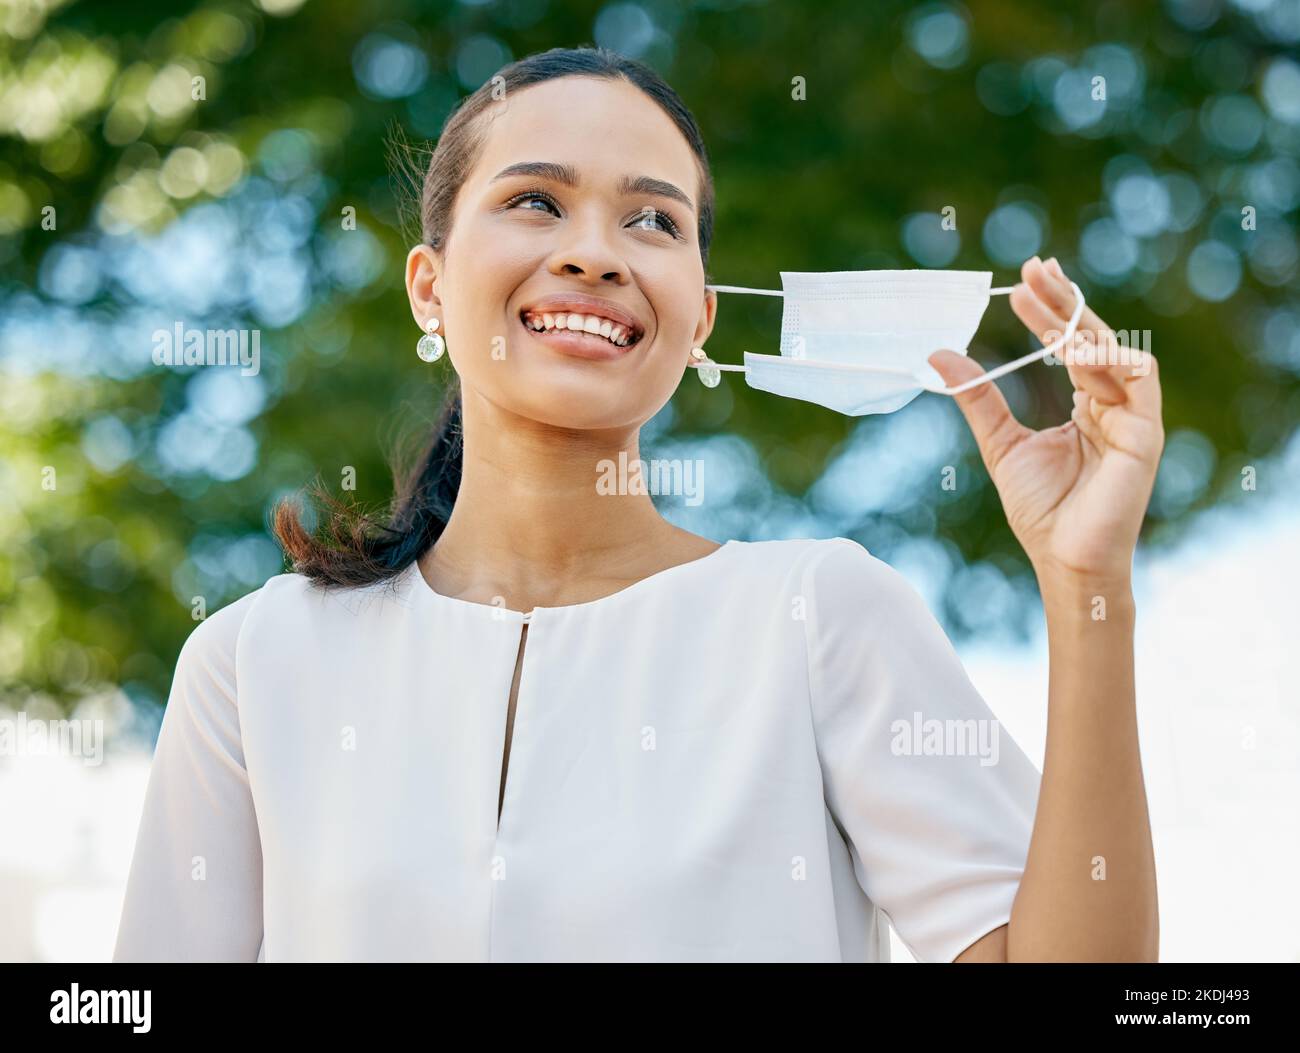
858 341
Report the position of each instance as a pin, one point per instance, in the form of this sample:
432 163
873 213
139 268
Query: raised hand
1074 495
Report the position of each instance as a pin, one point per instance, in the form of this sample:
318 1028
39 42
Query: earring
431 346
710 375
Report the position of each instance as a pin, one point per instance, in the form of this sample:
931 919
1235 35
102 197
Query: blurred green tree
224 166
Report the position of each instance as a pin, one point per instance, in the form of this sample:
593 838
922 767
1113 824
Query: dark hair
353 549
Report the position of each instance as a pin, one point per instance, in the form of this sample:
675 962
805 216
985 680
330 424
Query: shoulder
836 580
842 569
783 554
851 594
282 606
213 640
204 684
807 551
835 570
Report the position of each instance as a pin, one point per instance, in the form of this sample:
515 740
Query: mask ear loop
739 289
992 374
1023 360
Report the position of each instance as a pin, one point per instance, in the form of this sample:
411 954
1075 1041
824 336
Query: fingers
1038 317
1052 287
1044 301
983 406
1061 288
1048 299
1141 383
1049 283
1083 417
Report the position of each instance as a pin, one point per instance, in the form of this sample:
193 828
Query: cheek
676 317
476 291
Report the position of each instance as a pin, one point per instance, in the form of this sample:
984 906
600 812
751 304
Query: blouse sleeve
194 892
935 800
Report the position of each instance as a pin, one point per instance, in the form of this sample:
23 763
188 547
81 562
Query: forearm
1088 892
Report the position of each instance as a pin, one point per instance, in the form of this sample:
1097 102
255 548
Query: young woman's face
608 228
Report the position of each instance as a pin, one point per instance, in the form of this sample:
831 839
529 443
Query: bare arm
1089 888
1075 497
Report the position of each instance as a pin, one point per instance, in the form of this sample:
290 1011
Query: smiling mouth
600 331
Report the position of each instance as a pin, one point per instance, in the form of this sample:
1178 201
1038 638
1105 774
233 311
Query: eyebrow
567 175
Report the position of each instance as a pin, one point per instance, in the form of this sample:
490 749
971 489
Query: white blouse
751 756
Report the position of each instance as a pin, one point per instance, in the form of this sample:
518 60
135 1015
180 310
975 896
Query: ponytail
356 549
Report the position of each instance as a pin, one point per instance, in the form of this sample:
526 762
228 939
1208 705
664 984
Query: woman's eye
533 195
648 218
651 218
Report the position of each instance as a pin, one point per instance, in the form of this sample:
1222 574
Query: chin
576 403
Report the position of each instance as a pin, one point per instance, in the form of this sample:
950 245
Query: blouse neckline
421 585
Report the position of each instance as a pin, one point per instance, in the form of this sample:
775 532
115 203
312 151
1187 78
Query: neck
529 512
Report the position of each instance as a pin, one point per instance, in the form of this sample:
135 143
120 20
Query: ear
708 315
423 268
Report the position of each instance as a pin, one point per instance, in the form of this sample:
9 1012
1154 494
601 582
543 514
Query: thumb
983 406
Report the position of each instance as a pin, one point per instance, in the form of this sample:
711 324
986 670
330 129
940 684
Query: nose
587 253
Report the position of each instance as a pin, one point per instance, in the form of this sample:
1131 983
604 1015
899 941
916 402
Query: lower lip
578 344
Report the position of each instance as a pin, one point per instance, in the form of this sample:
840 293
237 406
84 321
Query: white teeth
616 334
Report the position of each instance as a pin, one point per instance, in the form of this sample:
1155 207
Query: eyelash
537 192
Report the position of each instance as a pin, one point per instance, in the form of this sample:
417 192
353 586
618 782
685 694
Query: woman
533 720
